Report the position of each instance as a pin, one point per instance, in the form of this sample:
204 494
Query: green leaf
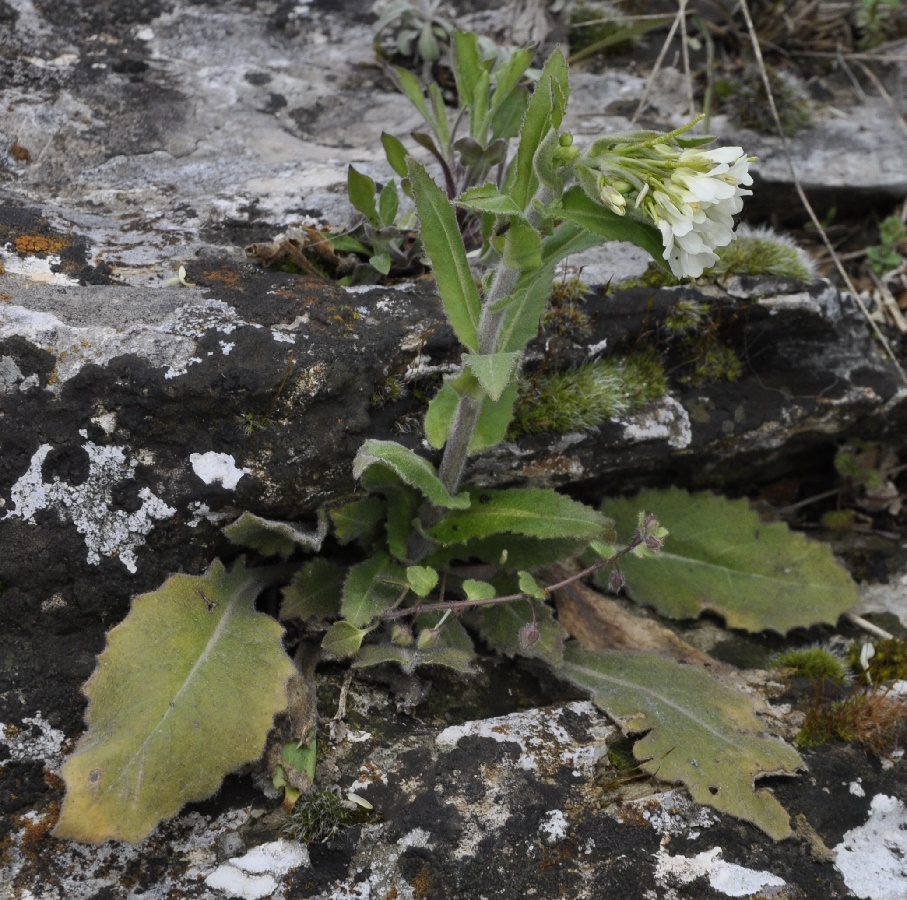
577 206
380 262
367 592
487 198
499 626
721 557
396 153
422 579
518 551
700 731
361 189
494 419
467 65
302 758
358 520
478 590
493 371
452 649
534 512
439 417
412 90
441 127
402 508
388 204
508 75
530 298
343 640
508 117
314 592
185 692
544 112
528 585
444 245
270 538
409 467
522 247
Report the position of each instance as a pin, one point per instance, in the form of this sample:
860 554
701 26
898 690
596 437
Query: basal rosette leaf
274 538
698 730
370 589
314 592
185 692
499 626
721 557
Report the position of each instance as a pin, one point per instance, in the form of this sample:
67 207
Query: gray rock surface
142 135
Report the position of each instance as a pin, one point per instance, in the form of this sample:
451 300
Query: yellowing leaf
700 731
721 557
184 693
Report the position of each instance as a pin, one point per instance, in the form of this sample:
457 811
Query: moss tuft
888 662
318 817
583 398
813 662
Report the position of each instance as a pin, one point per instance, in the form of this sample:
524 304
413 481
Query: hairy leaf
487 198
358 520
700 731
500 626
510 550
534 512
314 592
422 579
577 207
409 467
530 298
493 371
451 647
721 557
478 590
366 591
361 190
467 65
522 247
388 203
544 112
185 691
343 639
396 153
444 246
272 538
528 585
402 509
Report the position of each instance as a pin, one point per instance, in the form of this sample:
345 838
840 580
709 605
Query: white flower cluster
691 195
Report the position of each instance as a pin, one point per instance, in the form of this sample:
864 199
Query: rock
138 417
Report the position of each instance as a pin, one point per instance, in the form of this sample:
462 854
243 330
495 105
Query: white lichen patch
257 873
553 826
727 878
670 812
668 421
872 859
542 738
214 467
34 739
89 506
37 269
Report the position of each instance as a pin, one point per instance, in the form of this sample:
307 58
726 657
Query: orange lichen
38 243
228 277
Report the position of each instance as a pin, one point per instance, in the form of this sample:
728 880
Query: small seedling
886 255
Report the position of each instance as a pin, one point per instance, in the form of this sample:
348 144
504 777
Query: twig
868 627
458 605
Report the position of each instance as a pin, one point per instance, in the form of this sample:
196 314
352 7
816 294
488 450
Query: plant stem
466 417
459 605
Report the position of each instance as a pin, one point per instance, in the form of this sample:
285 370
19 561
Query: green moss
888 663
838 519
318 817
713 364
583 398
813 662
389 390
762 252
